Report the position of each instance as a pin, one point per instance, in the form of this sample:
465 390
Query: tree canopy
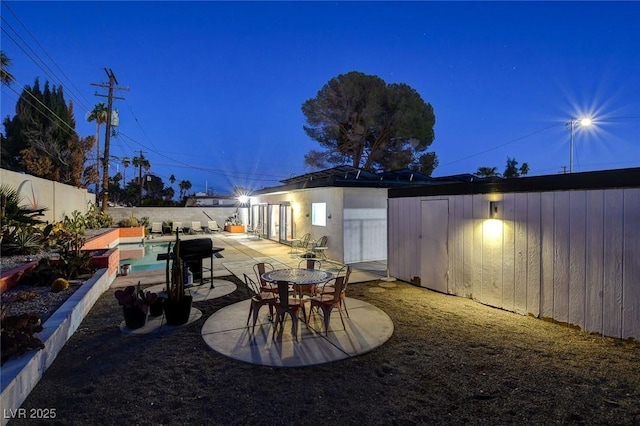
41 139
361 120
5 76
511 170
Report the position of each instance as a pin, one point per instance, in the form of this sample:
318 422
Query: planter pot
177 313
125 269
235 229
156 309
134 318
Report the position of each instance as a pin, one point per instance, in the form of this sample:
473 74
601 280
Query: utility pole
105 159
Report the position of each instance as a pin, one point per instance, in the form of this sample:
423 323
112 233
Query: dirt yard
449 361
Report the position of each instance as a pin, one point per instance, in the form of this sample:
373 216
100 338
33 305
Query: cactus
59 284
175 283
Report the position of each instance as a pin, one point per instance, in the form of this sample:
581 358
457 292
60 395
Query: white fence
571 256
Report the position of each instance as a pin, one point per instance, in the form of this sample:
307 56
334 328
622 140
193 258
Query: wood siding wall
571 256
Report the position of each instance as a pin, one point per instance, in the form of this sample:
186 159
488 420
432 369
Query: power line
501 145
47 55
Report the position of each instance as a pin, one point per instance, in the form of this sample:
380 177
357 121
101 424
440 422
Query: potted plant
135 305
233 224
177 305
157 308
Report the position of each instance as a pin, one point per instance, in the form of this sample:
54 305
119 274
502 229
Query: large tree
360 120
41 139
5 76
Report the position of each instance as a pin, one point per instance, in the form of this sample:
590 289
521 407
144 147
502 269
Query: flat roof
605 179
352 177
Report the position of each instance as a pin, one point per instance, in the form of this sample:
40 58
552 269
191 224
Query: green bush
96 218
129 222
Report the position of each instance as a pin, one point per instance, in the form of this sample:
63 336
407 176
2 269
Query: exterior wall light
493 209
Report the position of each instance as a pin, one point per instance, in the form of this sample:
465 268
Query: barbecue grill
193 252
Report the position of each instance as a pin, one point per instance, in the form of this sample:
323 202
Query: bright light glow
243 199
492 229
586 122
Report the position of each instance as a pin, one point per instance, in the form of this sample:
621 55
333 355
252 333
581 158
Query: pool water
142 257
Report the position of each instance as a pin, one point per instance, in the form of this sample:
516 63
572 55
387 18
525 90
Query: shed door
434 257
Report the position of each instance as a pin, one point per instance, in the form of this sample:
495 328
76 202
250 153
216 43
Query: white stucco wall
181 214
356 220
59 199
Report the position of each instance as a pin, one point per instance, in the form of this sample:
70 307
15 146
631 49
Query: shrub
17 336
22 230
95 218
129 222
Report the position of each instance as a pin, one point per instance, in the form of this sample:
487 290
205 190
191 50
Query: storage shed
562 247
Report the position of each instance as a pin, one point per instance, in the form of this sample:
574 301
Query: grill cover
199 248
193 252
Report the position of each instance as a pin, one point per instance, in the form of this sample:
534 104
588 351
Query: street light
584 122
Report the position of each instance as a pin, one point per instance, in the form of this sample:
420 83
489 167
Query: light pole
584 122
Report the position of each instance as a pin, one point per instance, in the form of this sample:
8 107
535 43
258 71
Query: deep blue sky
216 88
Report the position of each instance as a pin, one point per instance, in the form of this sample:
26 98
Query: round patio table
298 276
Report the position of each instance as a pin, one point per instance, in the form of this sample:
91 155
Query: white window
319 214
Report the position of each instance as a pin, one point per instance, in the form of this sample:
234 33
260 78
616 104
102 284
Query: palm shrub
22 230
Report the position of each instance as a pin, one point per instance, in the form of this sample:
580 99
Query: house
202 199
562 247
344 203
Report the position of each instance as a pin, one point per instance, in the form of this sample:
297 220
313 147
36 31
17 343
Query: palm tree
168 193
172 179
141 162
126 161
487 171
5 76
99 115
185 185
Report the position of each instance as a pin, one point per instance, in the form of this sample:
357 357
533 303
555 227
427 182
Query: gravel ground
44 302
449 361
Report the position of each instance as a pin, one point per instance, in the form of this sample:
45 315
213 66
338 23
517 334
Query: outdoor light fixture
493 209
243 199
584 122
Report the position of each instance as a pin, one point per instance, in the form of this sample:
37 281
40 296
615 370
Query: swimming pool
142 257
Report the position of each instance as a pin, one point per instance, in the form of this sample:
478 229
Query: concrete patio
226 331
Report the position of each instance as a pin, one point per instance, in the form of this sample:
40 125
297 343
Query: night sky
216 88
